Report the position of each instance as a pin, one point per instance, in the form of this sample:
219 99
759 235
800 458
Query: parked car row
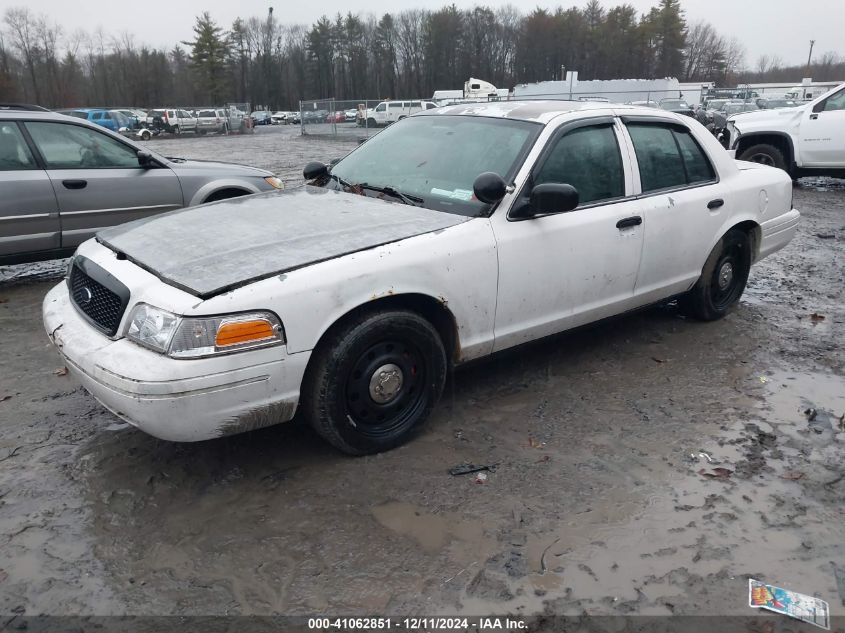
146 124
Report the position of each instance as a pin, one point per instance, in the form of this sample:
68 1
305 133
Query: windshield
436 159
673 104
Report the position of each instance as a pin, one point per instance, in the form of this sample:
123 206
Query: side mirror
334 161
553 198
145 159
819 107
314 170
489 187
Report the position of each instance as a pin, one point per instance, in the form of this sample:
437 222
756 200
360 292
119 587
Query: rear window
668 157
155 113
206 113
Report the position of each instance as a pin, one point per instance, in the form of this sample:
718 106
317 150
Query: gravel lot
596 505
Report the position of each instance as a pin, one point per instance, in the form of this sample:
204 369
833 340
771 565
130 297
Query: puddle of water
37 271
821 184
435 532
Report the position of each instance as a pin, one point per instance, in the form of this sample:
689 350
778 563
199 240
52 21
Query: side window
66 146
415 104
97 116
14 152
429 106
668 157
589 159
835 102
696 162
381 107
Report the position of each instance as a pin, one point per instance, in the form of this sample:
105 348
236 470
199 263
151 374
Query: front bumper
177 400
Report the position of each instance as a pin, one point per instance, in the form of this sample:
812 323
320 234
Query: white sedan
449 236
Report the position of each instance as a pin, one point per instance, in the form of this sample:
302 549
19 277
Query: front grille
98 295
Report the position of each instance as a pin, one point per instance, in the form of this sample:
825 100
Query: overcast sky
766 27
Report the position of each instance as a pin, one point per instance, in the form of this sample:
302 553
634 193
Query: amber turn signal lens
238 332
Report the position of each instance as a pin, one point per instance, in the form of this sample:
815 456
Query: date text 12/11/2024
419 624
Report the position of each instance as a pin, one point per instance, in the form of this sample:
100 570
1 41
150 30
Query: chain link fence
336 118
360 119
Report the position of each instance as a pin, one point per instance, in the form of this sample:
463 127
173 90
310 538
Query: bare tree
23 31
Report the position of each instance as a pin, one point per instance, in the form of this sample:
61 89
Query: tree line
411 53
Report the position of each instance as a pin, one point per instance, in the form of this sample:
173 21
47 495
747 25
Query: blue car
109 119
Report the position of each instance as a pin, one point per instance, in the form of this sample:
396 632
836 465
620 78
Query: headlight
274 182
195 337
152 327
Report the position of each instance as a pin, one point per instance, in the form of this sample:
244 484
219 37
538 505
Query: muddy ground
601 500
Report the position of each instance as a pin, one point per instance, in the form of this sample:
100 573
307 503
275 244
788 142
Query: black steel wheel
374 380
723 278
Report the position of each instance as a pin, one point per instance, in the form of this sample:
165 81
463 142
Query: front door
29 215
823 133
562 270
98 181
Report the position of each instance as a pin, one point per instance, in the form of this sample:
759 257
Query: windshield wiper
341 181
390 191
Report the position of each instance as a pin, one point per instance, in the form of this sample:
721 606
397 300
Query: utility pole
810 56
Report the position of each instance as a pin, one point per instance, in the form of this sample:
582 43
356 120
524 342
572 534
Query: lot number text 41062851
421 624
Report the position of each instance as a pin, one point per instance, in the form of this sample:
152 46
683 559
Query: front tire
765 154
371 123
722 280
374 381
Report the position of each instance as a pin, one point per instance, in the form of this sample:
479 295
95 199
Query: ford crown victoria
451 235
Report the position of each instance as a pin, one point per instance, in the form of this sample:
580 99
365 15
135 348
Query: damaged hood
212 248
782 116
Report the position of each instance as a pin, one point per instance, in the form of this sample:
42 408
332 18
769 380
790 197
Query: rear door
98 181
683 202
29 214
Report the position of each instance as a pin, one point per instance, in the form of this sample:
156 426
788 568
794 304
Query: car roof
530 110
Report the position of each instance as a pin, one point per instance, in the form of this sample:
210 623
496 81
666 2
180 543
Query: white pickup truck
805 141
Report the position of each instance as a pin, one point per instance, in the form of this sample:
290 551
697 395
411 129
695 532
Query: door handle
715 204
75 184
626 222
814 116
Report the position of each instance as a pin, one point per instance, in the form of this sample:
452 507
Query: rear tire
145 135
374 381
765 154
722 280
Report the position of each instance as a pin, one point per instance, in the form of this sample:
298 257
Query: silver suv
63 179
